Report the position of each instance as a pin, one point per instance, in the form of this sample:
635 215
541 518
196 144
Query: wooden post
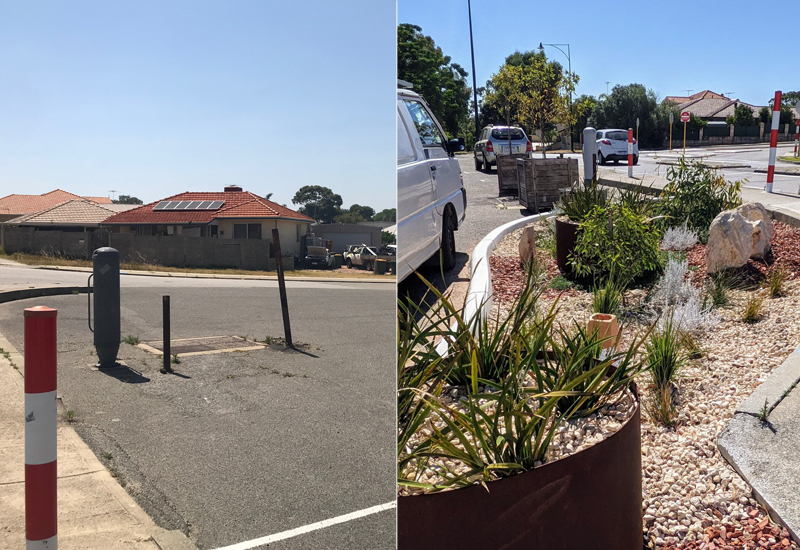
287 329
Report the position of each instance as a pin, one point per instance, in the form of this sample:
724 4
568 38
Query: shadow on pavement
414 289
125 374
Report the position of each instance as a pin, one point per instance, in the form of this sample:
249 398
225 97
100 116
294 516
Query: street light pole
474 85
569 63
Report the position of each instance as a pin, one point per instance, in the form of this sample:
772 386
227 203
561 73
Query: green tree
318 202
349 217
531 91
388 238
366 212
625 104
386 215
441 82
583 107
742 116
127 199
788 101
764 115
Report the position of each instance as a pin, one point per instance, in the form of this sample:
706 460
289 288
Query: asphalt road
238 446
485 211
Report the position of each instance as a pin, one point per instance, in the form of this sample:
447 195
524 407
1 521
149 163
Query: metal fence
746 131
716 130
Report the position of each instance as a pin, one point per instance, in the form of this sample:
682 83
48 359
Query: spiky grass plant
607 298
718 287
777 278
665 356
752 308
527 368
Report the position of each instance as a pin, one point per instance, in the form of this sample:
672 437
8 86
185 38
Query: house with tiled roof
710 106
230 214
73 215
13 206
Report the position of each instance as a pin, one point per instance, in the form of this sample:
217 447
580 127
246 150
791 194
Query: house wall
287 229
167 250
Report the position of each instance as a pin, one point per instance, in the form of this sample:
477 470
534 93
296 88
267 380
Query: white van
431 199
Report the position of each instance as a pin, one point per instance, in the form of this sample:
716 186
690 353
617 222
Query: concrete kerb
479 295
735 440
36 292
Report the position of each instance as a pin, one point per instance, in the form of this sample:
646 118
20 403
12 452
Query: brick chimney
233 189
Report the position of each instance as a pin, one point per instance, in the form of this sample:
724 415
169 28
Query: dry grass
33 259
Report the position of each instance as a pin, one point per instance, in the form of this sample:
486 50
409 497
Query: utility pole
474 84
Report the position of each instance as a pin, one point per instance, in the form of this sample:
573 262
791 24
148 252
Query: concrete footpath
94 511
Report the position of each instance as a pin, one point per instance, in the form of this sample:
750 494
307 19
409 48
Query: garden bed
691 496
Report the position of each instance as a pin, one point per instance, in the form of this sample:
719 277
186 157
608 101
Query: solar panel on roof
161 205
182 205
188 205
204 205
194 205
216 205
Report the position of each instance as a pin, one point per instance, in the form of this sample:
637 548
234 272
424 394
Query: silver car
499 140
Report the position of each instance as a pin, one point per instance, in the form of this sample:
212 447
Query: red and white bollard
630 152
773 140
41 525
796 137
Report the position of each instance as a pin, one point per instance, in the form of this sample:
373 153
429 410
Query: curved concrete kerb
479 296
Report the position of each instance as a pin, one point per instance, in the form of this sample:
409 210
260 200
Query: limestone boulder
737 235
527 244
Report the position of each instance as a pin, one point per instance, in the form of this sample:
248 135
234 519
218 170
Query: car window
426 128
599 135
405 150
503 133
617 135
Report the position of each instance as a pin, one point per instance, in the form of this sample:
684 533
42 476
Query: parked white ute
431 199
613 145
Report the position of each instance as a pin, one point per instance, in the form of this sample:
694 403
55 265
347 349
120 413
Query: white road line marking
247 545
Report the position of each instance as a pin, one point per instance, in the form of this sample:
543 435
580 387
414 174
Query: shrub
615 239
580 200
679 238
560 282
718 287
752 308
696 194
683 306
777 277
673 287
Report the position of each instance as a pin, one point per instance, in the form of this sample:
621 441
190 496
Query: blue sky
153 98
669 47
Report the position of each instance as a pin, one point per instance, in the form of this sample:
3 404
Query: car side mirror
456 144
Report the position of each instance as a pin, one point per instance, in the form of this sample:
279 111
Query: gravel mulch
692 498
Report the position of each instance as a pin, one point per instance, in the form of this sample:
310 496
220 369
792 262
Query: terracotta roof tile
238 204
29 204
74 212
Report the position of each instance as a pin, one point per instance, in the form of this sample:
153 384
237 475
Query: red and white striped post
630 152
41 525
796 137
773 140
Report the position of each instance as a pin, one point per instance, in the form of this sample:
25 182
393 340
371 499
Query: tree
318 202
764 115
788 100
387 215
366 212
742 116
349 217
442 83
388 238
583 107
625 104
531 91
127 199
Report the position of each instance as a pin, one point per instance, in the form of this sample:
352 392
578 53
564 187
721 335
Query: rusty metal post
167 355
287 329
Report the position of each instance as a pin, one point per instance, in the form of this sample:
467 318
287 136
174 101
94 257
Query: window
502 133
240 231
405 151
254 231
599 135
426 127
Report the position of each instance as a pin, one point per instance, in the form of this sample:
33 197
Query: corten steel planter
589 500
566 237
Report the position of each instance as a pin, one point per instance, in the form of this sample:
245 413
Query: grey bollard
589 153
106 305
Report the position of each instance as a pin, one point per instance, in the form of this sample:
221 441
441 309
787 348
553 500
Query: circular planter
591 499
606 326
566 236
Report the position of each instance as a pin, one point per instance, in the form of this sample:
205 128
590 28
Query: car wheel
601 159
478 165
635 160
616 161
486 166
368 266
349 264
448 242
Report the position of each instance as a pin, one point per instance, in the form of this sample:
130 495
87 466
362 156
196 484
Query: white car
613 145
431 199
